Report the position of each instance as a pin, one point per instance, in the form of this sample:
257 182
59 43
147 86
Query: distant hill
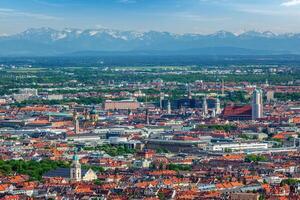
208 51
51 42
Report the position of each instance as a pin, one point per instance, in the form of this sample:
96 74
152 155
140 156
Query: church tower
204 107
75 171
94 115
76 122
169 109
161 98
218 106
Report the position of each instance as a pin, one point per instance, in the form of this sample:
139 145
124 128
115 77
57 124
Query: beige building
244 196
121 105
90 175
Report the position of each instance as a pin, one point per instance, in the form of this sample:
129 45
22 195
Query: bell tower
75 171
76 122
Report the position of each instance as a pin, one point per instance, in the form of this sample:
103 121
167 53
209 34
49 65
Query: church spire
75 171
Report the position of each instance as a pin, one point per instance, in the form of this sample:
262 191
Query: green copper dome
93 111
75 157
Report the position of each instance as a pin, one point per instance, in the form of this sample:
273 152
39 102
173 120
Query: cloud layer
291 3
16 13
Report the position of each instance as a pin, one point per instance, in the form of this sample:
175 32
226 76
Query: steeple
223 88
169 107
75 171
267 83
147 116
94 115
161 98
86 115
204 107
76 122
218 106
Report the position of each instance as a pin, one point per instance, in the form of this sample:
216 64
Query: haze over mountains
51 42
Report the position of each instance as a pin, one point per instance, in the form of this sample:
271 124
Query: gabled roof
4 187
237 110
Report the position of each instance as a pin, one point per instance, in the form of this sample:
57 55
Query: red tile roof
237 111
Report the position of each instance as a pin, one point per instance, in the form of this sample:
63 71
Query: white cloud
291 3
260 11
7 12
100 26
196 17
268 12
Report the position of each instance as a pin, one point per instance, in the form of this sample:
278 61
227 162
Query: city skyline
150 99
176 16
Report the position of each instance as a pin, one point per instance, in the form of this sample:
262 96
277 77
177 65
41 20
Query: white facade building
55 97
238 146
29 91
257 104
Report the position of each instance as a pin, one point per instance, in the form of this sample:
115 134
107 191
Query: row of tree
34 169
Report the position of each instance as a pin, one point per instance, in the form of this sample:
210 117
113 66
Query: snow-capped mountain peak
47 40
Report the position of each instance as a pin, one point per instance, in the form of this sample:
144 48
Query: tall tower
189 91
94 115
223 88
86 115
267 83
75 170
161 98
169 107
213 113
204 107
257 104
218 106
49 118
147 116
76 122
270 95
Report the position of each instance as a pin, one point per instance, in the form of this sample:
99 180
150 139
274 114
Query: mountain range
51 42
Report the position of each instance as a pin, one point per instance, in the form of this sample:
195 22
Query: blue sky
178 16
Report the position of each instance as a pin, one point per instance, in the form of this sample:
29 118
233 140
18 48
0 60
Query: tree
33 169
228 150
262 197
179 167
161 196
97 182
255 158
289 182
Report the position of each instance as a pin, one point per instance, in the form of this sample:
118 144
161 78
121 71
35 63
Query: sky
176 16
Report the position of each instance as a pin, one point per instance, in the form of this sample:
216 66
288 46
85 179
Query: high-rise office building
257 104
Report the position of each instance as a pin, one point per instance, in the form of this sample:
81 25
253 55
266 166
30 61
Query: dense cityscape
149 100
158 132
